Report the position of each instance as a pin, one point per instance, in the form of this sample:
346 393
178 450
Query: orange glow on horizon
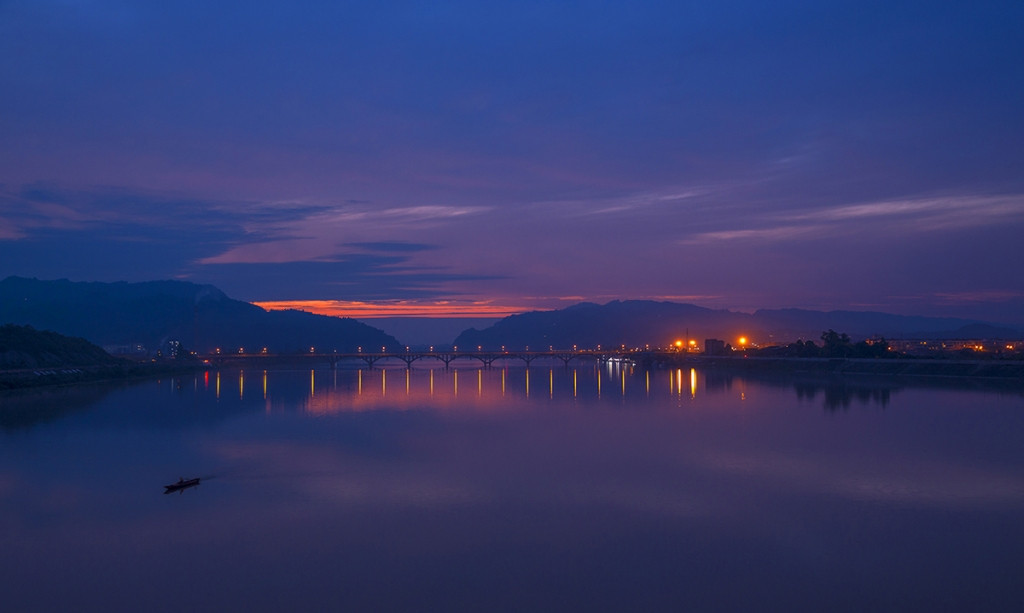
404 308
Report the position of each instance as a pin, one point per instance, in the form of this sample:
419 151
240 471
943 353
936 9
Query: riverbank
73 375
904 367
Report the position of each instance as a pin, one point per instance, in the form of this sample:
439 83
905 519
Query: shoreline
1005 370
58 376
1009 371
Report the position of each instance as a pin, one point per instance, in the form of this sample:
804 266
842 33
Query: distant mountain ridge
636 323
153 313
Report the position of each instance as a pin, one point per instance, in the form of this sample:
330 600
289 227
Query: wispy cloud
938 211
629 203
753 234
979 296
326 234
10 232
906 216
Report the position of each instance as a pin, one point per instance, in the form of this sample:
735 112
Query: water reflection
364 389
472 489
359 390
24 409
842 395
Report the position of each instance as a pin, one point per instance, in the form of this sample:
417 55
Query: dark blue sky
854 155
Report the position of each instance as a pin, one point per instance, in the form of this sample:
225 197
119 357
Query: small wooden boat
182 484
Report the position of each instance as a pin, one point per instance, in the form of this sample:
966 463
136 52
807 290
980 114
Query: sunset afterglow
371 310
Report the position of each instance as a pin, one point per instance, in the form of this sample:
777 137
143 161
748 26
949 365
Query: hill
636 323
152 314
26 347
631 323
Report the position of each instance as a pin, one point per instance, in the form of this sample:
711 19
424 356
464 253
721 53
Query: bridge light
217 350
455 348
264 350
382 349
359 349
479 347
312 349
431 349
407 348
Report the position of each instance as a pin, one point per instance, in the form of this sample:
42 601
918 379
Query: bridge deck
447 357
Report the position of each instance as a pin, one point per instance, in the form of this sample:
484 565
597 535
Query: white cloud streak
324 234
907 216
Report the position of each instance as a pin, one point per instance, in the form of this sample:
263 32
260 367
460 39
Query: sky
485 158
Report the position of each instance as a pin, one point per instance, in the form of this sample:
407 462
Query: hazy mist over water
581 488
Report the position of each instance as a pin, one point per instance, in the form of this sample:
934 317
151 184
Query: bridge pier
487 358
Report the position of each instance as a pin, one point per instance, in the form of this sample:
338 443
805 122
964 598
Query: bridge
487 358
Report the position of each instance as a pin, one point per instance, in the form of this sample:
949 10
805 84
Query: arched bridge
487 358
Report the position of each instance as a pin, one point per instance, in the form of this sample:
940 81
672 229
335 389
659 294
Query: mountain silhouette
639 323
151 314
26 347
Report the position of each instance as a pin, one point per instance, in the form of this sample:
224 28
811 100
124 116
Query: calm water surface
510 489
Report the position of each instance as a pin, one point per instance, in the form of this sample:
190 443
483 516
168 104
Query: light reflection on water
489 386
581 488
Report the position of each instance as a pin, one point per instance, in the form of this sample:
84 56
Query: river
586 488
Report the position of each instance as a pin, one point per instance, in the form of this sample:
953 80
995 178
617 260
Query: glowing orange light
743 340
401 308
679 343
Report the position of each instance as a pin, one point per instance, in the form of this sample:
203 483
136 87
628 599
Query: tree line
833 345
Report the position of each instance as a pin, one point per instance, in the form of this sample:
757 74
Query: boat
181 485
